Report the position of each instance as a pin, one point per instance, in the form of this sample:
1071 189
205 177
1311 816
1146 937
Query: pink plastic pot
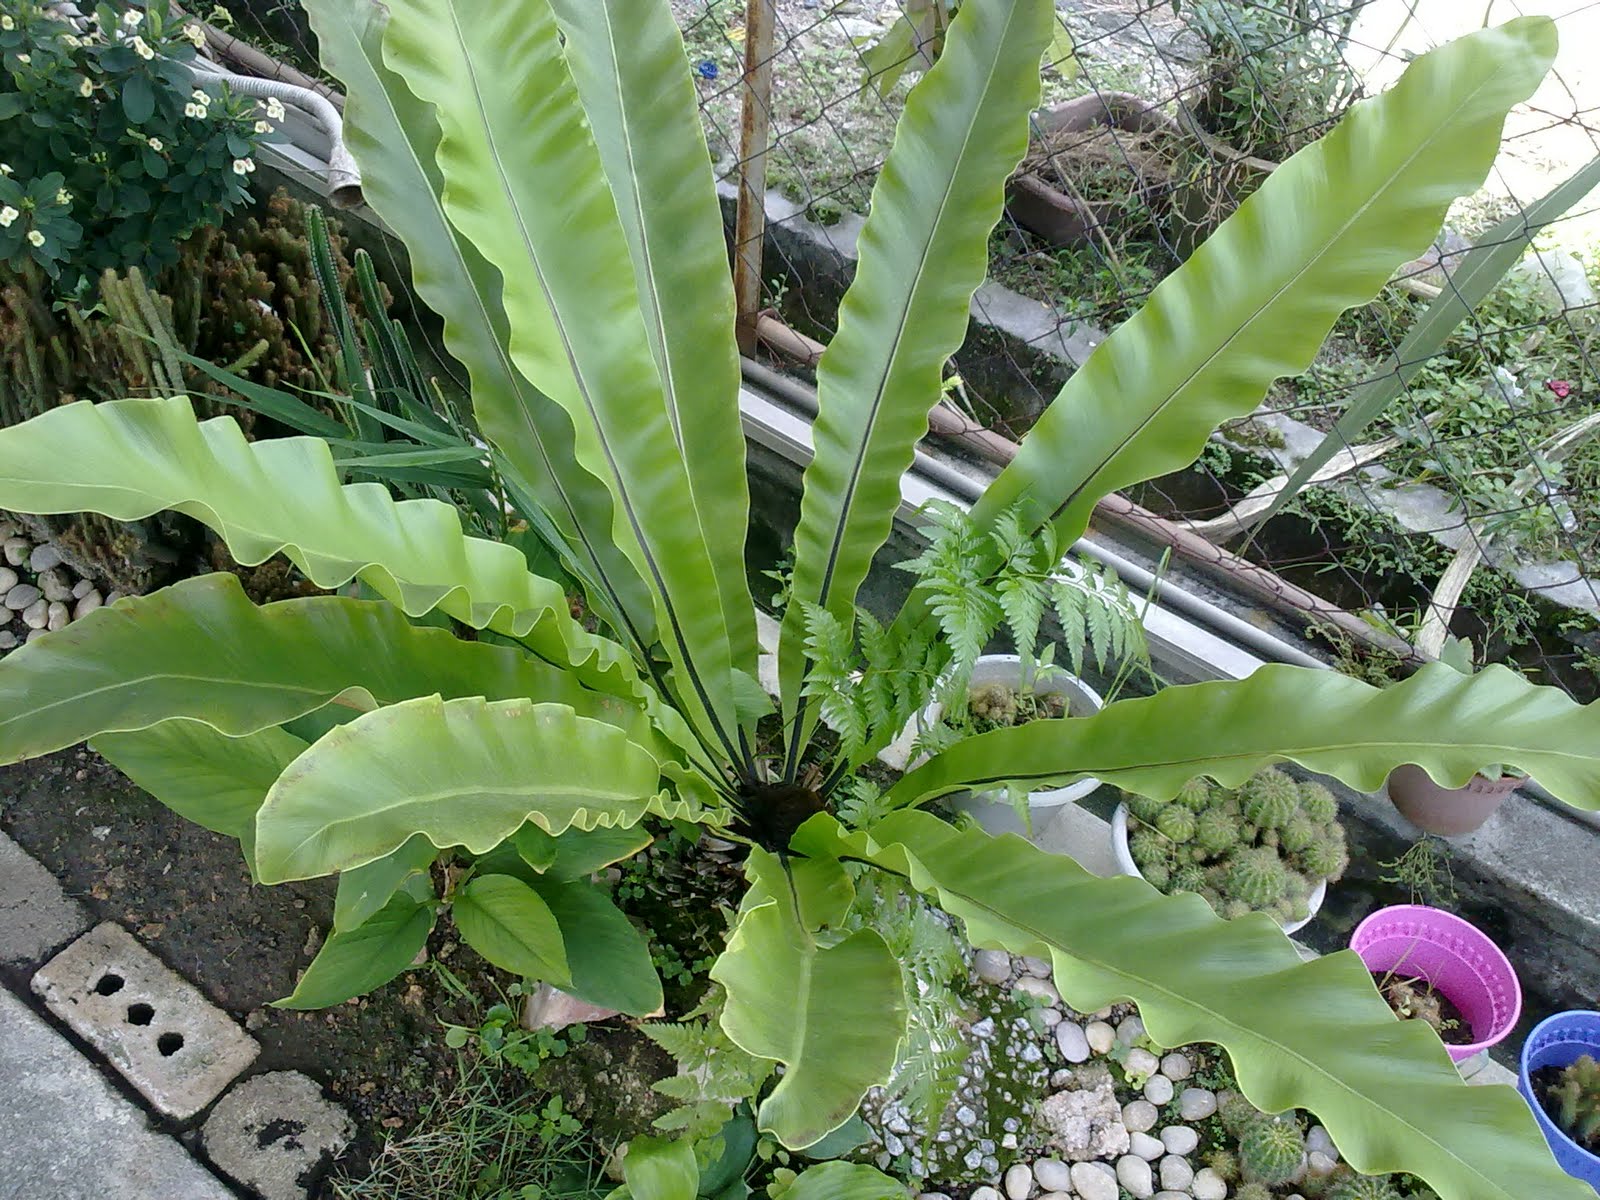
1456 957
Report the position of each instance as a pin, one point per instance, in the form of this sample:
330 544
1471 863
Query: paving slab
70 1136
37 917
154 1026
276 1134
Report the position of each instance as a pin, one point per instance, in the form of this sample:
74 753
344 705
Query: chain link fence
1471 507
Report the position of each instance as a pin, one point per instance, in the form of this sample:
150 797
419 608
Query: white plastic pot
1125 864
991 809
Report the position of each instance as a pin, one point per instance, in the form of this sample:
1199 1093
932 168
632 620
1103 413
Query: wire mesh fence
1470 507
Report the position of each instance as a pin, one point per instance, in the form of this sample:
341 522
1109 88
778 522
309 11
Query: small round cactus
1253 1191
1224 1163
1215 831
1176 822
1232 910
1194 795
1270 798
1156 874
1248 834
1147 846
1364 1187
1146 809
1237 1114
1270 1150
1327 856
1317 802
1257 877
1188 879
1298 832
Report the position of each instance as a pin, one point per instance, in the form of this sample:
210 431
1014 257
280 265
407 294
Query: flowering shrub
112 156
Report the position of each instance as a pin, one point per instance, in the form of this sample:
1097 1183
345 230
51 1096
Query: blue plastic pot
1556 1042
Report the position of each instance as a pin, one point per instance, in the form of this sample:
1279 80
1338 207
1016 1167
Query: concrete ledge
70 1136
36 916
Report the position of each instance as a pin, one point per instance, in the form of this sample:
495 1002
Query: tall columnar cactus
1575 1101
1270 1150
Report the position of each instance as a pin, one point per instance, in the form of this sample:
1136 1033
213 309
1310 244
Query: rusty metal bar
750 225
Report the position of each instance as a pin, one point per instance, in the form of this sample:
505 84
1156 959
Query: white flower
220 15
264 127
8 215
243 166
131 18
72 40
35 237
196 35
200 96
275 109
193 110
141 49
5 168
156 145
86 87
24 58
7 23
63 196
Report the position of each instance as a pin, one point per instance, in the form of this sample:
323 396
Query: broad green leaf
657 1169
1300 1035
1324 233
513 136
200 650
922 253
215 781
844 1181
509 923
628 62
579 853
833 1014
535 847
366 889
129 459
463 772
368 956
1470 281
1446 722
608 960
394 136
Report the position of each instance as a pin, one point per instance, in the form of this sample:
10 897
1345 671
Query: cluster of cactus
999 704
1271 1150
245 298
1262 847
1573 1101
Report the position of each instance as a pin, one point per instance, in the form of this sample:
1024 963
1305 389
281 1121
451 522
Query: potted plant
1434 967
1451 811
1269 846
1560 1079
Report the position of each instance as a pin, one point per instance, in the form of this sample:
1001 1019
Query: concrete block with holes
155 1027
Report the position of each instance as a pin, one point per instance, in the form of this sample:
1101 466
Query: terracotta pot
1449 812
1065 220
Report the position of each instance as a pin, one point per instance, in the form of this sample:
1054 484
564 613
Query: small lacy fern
714 1075
870 680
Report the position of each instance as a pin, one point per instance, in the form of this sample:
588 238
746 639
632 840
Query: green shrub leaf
509 923
368 956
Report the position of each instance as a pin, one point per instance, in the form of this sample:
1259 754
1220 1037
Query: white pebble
966 1116
17 550
43 558
1056 1196
985 1193
82 588
1133 1173
86 604
1171 1196
1319 1164
993 966
8 580
37 614
1053 1174
1318 1139
1130 1031
21 596
1041 988
1037 967
1142 1062
1019 1182
1048 1017
1176 1173
35 634
1208 1185
984 1029
1177 1067
7 639
1196 1104
112 598
8 529
1101 1037
933 1196
1158 1090
1180 1139
58 616
54 585
1060 1078
1072 1042
1139 1116
1145 1146
1091 1183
